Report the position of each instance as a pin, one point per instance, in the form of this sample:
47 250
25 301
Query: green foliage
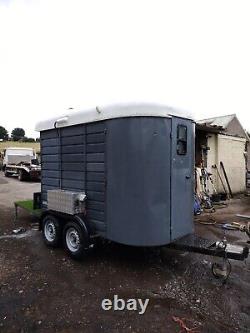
17 134
25 139
3 133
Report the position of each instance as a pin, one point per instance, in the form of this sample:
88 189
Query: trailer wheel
75 240
52 231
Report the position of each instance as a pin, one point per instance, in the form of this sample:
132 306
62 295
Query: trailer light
82 197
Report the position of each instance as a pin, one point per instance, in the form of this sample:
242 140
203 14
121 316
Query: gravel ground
43 290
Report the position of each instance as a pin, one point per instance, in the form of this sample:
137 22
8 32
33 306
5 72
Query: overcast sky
194 55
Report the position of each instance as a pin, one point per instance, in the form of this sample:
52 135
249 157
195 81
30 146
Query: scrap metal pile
204 198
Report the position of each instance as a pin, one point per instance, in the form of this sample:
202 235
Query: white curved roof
111 112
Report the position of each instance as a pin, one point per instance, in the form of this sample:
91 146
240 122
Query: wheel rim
73 239
50 231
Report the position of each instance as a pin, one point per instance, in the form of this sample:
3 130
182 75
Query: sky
58 54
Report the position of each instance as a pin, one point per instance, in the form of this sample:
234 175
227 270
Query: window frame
182 140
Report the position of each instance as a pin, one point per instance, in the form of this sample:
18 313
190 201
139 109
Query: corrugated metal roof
221 121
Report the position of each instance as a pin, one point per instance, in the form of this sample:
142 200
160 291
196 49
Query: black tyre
75 240
22 175
6 173
52 231
222 270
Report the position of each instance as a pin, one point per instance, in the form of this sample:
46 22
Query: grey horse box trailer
135 165
129 168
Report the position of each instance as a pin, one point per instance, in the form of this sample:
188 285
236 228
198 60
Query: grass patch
6 144
28 205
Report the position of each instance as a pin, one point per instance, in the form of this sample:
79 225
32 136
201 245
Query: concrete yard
43 290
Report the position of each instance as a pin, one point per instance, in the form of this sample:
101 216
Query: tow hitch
222 249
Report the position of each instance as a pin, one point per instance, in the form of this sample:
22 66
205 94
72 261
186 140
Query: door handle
188 177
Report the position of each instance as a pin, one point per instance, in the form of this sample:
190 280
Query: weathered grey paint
182 186
138 181
73 159
131 177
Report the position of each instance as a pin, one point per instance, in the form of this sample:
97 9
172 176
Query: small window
181 140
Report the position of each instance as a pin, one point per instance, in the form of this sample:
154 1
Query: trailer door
182 177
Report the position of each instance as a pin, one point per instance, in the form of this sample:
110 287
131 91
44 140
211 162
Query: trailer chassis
221 249
189 243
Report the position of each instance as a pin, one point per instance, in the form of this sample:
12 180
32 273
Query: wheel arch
80 221
53 213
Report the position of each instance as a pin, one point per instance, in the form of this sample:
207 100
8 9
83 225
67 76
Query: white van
21 162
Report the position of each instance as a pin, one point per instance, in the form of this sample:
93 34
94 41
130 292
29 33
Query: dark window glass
181 140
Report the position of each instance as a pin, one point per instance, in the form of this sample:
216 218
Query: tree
3 133
17 133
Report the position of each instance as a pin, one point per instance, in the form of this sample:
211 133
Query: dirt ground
43 290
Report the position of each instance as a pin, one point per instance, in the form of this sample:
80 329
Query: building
223 139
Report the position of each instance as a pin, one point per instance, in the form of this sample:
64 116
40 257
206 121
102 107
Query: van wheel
21 175
6 173
75 240
52 231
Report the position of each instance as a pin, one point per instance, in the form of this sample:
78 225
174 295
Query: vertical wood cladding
73 158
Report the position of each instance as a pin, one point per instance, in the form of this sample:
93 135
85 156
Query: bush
25 139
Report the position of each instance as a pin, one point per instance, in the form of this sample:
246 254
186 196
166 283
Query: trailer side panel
73 158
